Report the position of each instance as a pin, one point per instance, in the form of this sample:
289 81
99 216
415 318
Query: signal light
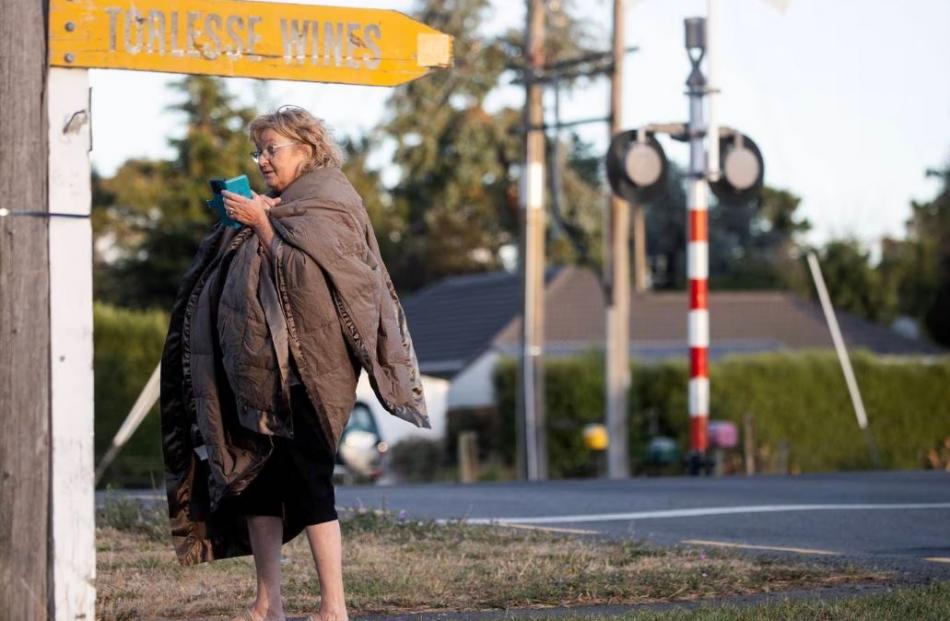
636 165
743 169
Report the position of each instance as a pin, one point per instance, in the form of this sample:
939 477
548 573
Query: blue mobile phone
238 185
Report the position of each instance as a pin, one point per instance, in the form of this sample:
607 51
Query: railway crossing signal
636 170
637 165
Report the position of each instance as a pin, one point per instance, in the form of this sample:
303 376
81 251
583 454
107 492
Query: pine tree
149 217
459 164
917 268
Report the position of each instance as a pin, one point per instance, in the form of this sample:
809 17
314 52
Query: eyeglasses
269 151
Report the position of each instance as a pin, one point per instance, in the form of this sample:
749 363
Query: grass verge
394 564
923 603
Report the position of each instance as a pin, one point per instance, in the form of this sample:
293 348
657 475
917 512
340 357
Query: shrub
802 399
419 459
133 516
798 399
128 347
484 421
574 396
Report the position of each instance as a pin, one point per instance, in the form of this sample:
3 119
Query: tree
149 217
666 232
754 245
853 284
913 276
460 164
917 269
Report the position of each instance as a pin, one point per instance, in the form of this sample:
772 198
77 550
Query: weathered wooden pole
47 508
532 440
24 313
618 303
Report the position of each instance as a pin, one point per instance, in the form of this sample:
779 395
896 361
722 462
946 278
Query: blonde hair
297 124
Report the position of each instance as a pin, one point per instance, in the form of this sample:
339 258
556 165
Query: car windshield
362 418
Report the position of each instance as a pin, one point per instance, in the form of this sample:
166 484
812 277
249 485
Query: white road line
703 512
938 559
749 546
577 531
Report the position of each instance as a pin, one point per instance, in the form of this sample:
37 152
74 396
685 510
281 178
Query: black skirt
296 483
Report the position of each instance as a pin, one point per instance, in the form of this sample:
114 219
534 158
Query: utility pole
618 298
640 271
24 325
532 444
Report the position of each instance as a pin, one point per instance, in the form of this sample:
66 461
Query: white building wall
473 386
392 429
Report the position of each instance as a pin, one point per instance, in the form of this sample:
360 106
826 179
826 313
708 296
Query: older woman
271 327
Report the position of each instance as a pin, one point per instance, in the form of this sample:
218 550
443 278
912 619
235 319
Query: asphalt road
897 519
886 519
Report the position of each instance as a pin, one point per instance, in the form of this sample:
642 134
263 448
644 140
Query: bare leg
266 534
326 544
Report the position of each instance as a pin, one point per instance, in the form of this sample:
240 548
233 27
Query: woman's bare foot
328 615
255 614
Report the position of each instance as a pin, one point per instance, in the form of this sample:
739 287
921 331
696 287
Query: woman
267 337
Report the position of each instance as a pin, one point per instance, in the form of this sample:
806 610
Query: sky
848 100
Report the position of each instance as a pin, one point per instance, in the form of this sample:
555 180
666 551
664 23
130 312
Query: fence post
748 444
468 456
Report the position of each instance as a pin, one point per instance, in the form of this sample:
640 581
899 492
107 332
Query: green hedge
796 398
574 396
128 346
804 400
799 399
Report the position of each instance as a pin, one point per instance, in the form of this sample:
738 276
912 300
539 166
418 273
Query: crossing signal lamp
742 167
636 165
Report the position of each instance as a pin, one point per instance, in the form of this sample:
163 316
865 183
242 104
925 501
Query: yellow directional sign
246 39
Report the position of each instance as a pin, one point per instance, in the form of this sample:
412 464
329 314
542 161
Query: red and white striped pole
697 253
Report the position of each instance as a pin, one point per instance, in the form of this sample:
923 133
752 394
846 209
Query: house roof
456 319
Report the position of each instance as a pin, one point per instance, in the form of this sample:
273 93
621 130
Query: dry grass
392 564
920 603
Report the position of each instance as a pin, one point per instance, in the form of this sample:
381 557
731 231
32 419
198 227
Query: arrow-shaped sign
246 39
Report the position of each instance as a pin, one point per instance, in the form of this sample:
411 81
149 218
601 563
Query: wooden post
468 456
24 325
748 443
782 457
72 486
719 461
641 273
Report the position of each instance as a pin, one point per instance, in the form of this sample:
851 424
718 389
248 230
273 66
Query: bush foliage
128 347
794 398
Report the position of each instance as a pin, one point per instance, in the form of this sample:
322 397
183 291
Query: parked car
361 447
371 430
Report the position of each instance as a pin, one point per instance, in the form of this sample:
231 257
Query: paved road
900 519
896 518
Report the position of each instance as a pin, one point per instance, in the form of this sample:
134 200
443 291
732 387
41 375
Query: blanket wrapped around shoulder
327 300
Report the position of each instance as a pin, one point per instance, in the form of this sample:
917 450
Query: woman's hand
250 211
